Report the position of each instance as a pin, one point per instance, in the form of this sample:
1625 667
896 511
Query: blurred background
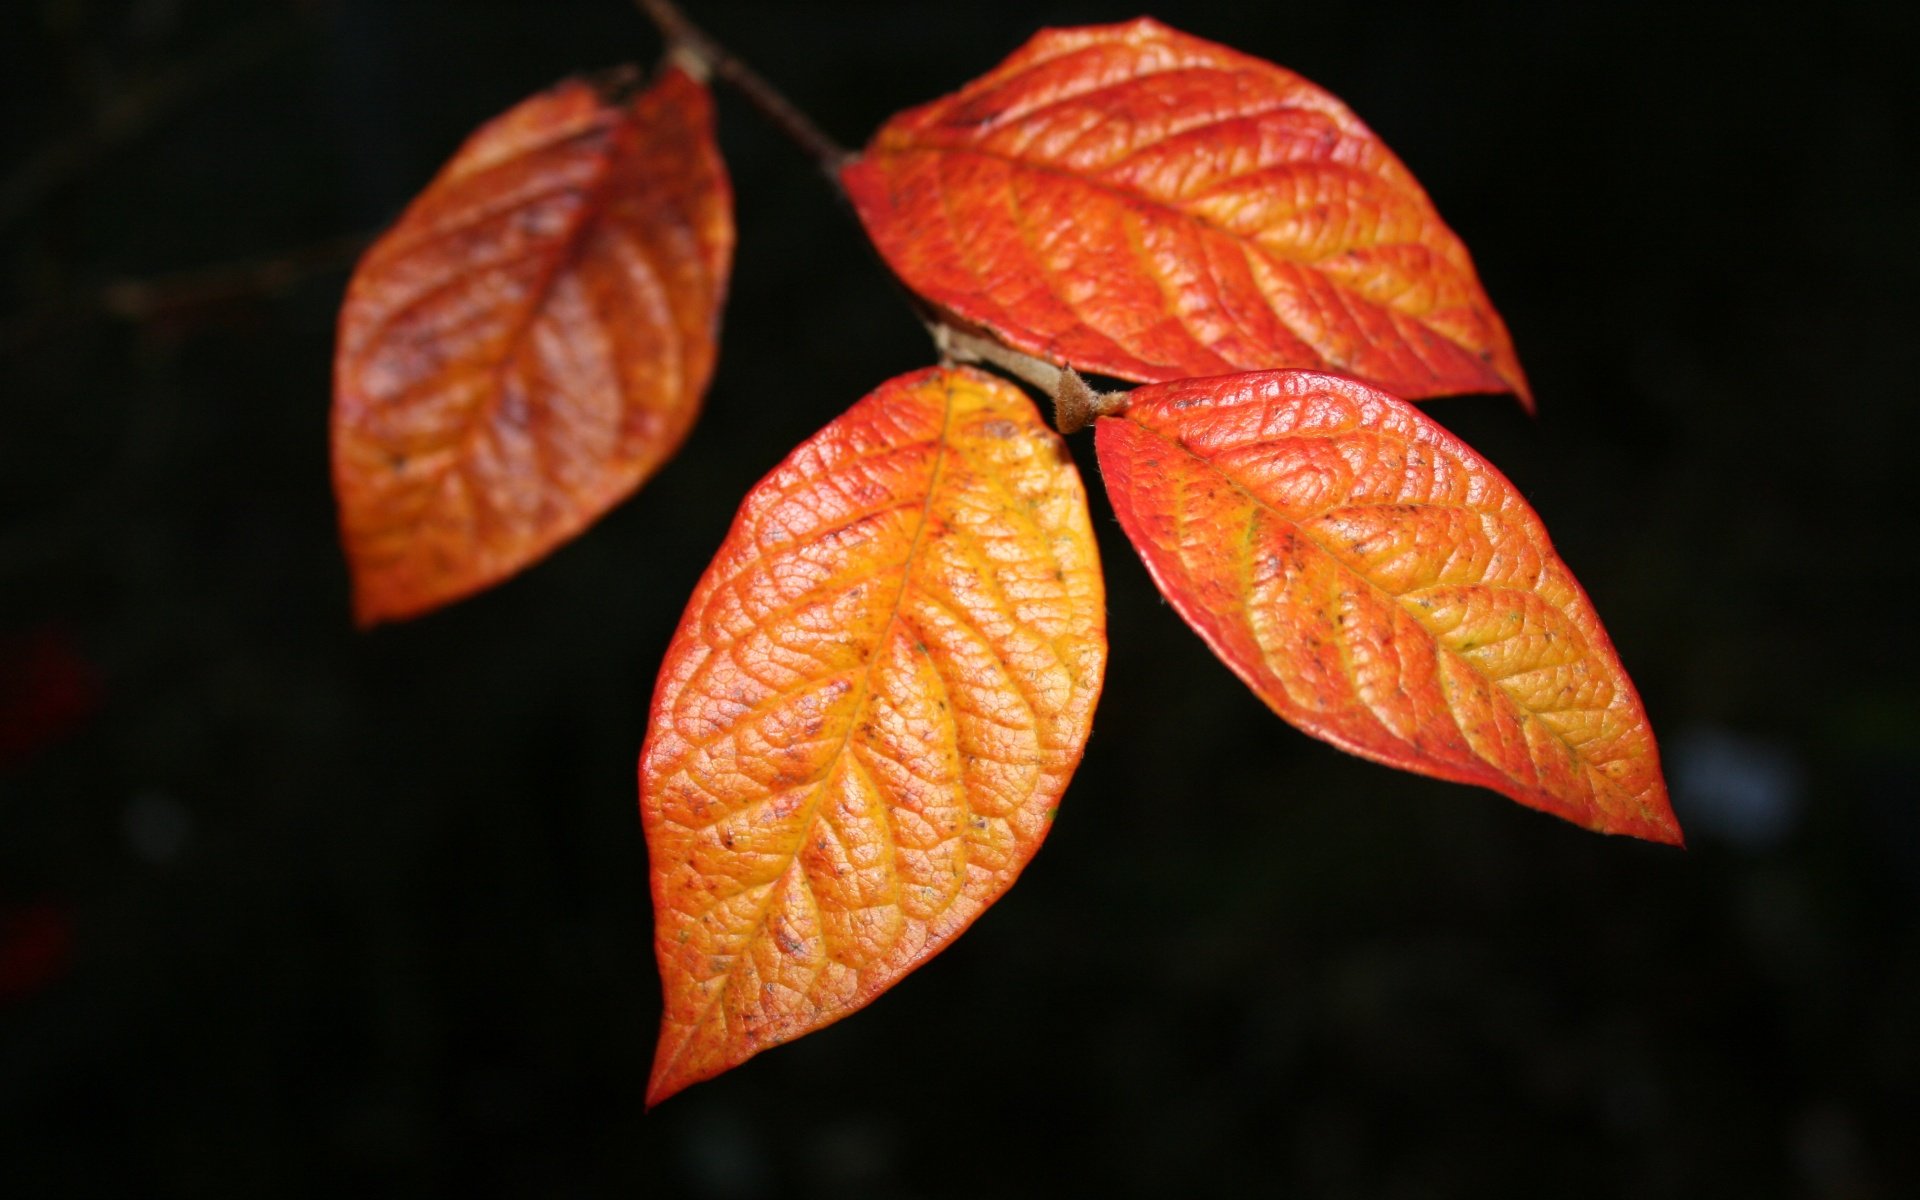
287 909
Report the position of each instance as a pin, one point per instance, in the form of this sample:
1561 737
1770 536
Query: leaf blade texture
1137 202
530 341
1383 588
867 715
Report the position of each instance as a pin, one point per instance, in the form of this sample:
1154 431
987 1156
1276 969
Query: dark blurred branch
702 56
135 111
140 299
183 291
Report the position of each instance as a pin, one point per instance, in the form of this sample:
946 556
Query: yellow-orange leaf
1130 200
1382 587
530 342
867 715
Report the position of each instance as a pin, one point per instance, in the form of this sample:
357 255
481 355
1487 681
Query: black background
369 912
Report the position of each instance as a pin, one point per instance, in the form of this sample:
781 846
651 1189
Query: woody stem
702 56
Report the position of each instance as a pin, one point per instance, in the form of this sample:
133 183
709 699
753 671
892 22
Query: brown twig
702 56
959 345
1075 404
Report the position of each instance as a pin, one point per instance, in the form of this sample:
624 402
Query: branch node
1074 403
689 58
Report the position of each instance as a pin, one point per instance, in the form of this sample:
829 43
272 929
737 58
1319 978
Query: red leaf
1130 200
36 946
1384 588
869 712
530 342
48 691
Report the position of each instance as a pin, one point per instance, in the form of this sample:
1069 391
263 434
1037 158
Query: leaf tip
1654 822
382 600
367 611
682 1058
658 1091
668 1076
1665 830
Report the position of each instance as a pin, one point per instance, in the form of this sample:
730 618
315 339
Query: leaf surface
1384 588
867 716
1131 200
530 341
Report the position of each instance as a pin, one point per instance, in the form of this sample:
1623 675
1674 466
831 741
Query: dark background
289 910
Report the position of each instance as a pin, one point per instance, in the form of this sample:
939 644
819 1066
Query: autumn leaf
867 716
1130 200
1384 588
531 341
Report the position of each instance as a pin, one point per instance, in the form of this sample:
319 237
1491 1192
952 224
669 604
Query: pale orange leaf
868 714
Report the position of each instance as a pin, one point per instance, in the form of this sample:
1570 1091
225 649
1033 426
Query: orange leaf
868 714
1384 588
530 342
1130 200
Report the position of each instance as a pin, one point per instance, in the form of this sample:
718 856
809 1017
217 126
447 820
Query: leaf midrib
811 810
1133 198
1263 506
